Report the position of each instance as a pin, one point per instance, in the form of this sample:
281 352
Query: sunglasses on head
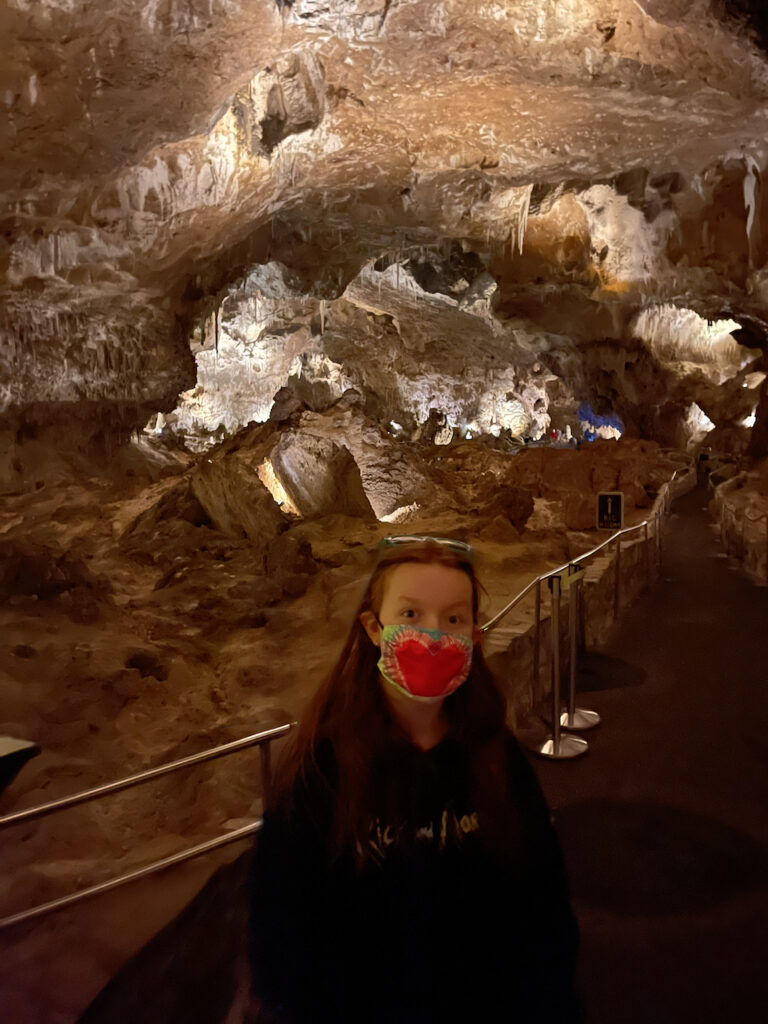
400 540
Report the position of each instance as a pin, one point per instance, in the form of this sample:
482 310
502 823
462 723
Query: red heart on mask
426 666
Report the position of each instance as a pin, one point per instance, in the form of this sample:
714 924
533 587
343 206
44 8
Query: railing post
617 585
263 740
537 644
16 817
555 619
575 718
572 627
558 746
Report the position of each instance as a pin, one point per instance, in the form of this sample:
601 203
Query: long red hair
350 712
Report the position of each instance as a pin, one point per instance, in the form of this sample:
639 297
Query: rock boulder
319 476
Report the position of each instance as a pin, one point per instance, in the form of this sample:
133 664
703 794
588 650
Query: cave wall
581 167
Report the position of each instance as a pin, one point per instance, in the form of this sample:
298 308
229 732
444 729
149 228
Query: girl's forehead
427 582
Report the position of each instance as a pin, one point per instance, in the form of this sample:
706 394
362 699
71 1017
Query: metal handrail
152 773
570 576
130 876
582 558
262 739
559 571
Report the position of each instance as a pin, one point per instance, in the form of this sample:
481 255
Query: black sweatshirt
435 927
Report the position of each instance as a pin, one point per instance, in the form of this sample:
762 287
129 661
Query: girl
407 871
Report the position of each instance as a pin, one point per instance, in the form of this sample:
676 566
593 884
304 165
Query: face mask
425 664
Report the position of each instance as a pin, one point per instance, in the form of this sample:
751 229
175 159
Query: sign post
610 510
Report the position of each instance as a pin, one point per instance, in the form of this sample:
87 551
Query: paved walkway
664 822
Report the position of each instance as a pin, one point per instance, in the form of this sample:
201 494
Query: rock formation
278 277
564 203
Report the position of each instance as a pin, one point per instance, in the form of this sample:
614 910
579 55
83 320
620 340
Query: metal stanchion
577 719
559 746
537 644
617 585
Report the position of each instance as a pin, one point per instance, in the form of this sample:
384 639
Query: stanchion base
580 720
570 746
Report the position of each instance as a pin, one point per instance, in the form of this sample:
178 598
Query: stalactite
522 223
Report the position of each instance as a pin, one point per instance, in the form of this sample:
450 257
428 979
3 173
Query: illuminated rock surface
542 184
279 278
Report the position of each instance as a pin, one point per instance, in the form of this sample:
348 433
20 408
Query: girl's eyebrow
416 600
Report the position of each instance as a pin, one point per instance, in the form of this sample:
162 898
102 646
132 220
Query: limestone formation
279 277
207 199
319 476
236 500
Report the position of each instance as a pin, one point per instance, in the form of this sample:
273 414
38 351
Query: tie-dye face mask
425 664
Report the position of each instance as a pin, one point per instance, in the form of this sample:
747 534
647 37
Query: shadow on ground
650 859
195 970
599 671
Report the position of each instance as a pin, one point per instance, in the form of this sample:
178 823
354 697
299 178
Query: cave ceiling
442 203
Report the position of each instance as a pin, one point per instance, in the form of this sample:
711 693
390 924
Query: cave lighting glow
749 421
608 427
401 514
698 419
268 477
681 335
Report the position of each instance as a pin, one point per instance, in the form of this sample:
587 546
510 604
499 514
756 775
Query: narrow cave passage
663 824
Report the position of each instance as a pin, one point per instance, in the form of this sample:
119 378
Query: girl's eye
454 620
408 613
